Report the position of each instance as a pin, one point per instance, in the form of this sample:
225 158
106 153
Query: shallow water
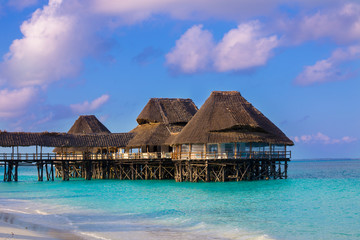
320 200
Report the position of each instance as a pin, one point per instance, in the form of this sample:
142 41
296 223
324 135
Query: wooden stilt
132 171
160 171
206 171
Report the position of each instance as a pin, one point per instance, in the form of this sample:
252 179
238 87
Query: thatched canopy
149 134
167 110
160 119
54 139
88 124
85 124
228 117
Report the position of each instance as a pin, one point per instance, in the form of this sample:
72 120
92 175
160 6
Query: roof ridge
162 113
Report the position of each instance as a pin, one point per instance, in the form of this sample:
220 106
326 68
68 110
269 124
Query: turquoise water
320 200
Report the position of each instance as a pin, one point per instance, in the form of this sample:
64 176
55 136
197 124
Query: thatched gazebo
87 124
228 126
159 121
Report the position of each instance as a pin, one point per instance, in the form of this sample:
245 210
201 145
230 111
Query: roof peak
177 99
233 93
81 116
88 124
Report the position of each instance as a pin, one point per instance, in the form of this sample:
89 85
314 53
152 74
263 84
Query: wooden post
65 176
132 171
205 150
160 171
5 172
63 170
218 151
16 164
189 151
280 175
206 171
9 171
16 172
223 173
121 171
146 169
237 171
235 150
190 172
52 170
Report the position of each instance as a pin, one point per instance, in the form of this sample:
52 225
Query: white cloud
86 106
14 102
51 49
193 51
323 139
341 24
241 48
42 55
331 69
244 47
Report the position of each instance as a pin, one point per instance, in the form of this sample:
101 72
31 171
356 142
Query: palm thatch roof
149 134
167 110
55 139
88 124
228 117
161 119
85 124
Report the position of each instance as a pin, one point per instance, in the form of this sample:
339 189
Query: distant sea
319 200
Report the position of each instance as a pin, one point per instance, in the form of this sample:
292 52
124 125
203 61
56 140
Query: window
228 149
185 148
243 149
197 148
278 147
212 148
260 147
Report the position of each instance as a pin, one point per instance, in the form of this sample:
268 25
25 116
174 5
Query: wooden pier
146 166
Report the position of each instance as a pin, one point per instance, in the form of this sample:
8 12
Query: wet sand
11 231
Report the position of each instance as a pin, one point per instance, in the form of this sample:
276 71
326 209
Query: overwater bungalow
160 121
228 131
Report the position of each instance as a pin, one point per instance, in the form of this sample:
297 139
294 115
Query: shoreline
11 231
12 227
18 226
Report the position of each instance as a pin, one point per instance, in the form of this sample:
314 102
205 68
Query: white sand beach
11 231
11 227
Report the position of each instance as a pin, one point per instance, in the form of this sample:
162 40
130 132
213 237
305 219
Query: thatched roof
85 124
161 119
88 124
167 110
228 117
51 139
149 134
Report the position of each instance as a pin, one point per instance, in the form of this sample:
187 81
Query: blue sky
297 62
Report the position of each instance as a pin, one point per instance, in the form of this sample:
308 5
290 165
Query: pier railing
33 157
232 155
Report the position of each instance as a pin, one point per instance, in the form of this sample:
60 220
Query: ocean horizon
319 200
